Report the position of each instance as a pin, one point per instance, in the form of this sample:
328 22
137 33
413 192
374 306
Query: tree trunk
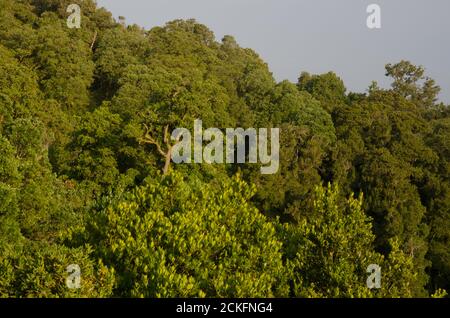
167 162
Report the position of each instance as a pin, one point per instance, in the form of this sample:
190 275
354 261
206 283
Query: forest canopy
363 178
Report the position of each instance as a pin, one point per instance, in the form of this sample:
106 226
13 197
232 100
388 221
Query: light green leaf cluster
168 239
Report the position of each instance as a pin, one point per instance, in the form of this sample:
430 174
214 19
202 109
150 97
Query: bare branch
166 136
148 139
93 40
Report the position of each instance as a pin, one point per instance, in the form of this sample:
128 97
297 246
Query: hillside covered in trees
363 178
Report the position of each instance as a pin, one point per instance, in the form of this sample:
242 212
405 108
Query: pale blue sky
318 35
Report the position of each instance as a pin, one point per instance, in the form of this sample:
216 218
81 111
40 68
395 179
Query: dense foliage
363 179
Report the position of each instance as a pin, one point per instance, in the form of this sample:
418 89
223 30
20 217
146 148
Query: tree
171 238
307 133
85 118
329 252
411 83
39 270
327 88
383 154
